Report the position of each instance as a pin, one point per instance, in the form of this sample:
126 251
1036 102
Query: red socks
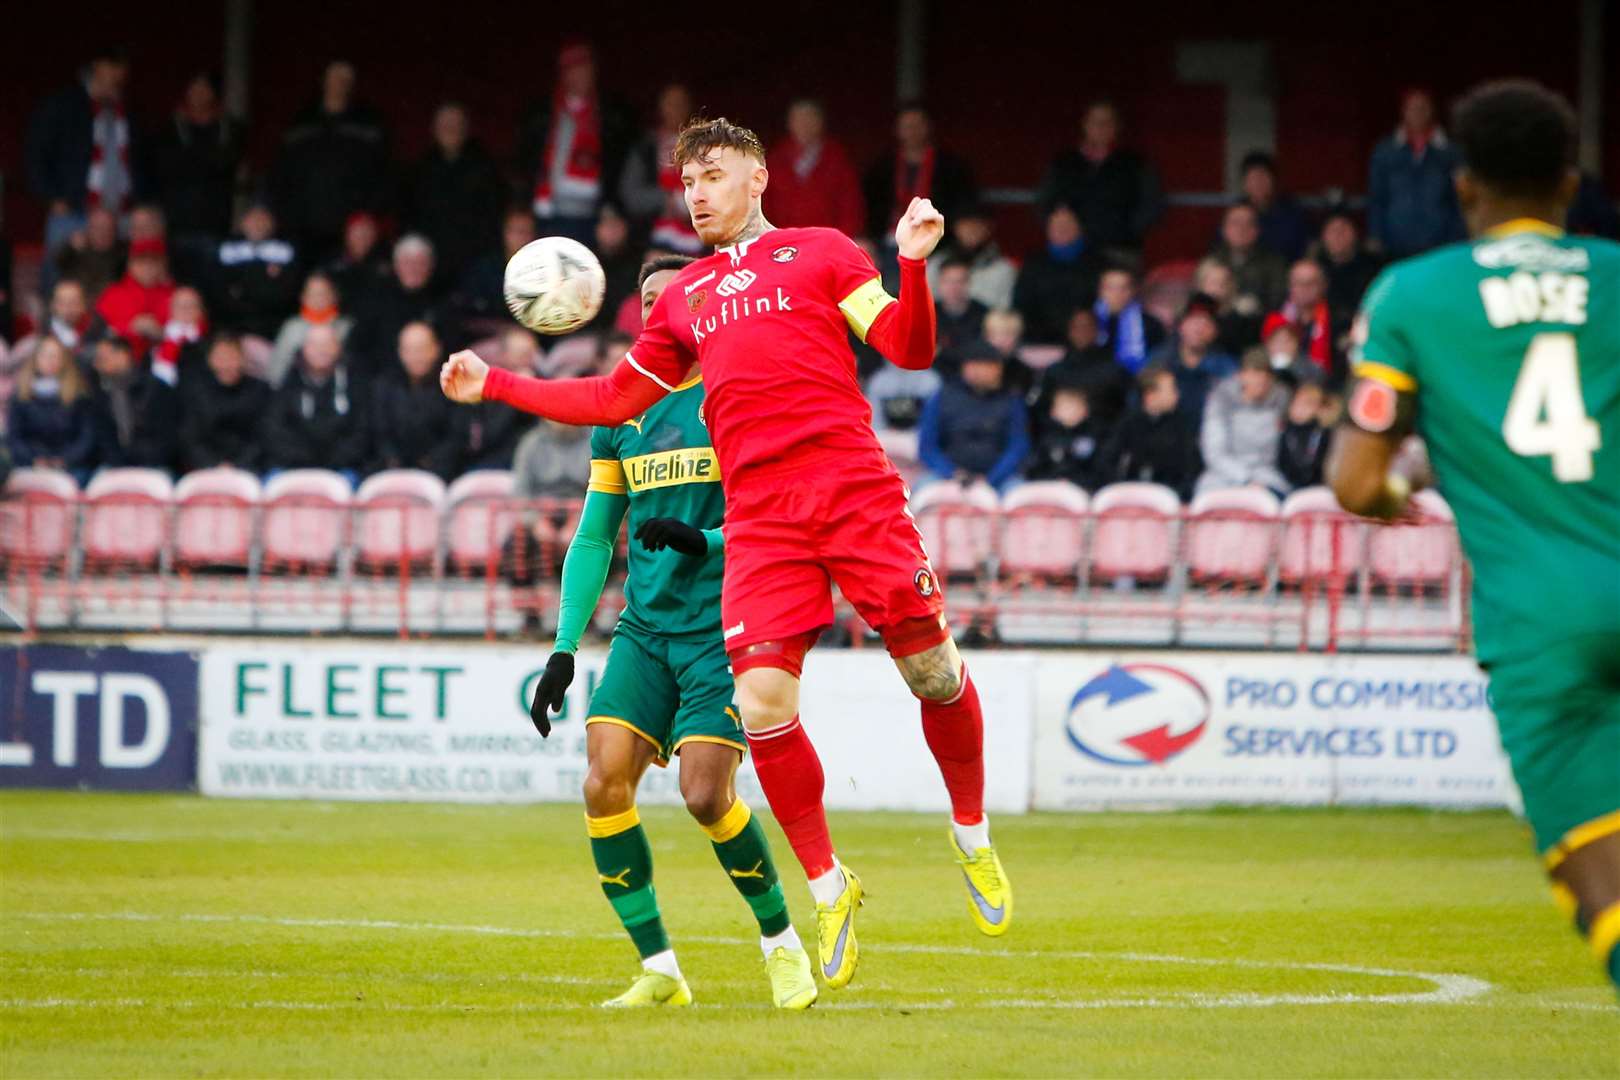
955 733
790 773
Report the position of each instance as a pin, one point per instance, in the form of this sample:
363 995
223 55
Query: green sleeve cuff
716 539
585 567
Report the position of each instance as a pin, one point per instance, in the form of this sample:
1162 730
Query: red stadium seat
1416 554
37 516
1232 534
1044 530
480 517
1134 531
214 517
397 518
957 526
306 518
127 516
1320 542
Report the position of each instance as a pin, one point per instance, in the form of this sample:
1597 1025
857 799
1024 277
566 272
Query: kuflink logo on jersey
1138 714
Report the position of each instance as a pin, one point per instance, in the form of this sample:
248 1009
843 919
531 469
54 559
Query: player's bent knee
707 803
607 793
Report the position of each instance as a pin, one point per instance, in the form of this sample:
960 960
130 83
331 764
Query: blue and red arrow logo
1137 714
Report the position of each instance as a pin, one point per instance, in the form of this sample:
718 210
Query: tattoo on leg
934 674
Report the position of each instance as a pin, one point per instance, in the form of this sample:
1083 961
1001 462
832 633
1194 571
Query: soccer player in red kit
811 499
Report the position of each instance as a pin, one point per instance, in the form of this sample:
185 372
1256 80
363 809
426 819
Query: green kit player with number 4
1504 354
667 688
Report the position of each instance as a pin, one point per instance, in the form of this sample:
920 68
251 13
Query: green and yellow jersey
1510 348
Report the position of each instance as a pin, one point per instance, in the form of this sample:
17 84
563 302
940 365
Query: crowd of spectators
194 311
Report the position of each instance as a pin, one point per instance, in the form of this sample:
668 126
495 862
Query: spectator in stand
1193 357
898 395
1303 446
1284 348
69 320
1260 275
958 317
1306 310
362 265
1090 366
1068 441
93 256
1057 279
406 296
317 306
1593 213
413 425
192 163
621 265
78 150
1237 331
614 346
1411 205
136 414
1283 225
223 411
317 417
181 351
651 187
974 428
488 433
813 182
553 461
137 305
1155 443
480 300
916 169
991 275
1243 422
146 222
1122 324
48 423
333 161
455 194
1004 331
255 276
1115 191
573 147
1349 268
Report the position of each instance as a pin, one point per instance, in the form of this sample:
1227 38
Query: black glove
549 691
660 533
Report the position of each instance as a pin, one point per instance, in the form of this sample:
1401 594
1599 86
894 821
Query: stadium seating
1416 554
478 519
214 517
1231 535
1134 531
305 520
37 518
126 518
397 518
957 525
1044 531
1320 542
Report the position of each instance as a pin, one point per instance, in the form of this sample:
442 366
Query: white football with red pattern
554 285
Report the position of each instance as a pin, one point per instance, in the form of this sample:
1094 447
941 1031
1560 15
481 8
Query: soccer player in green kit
1503 353
667 689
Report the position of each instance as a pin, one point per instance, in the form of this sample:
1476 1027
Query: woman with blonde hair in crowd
48 423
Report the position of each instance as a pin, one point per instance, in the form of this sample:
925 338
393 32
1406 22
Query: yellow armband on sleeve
607 476
862 307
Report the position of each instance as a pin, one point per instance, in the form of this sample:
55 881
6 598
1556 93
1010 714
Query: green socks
740 844
624 866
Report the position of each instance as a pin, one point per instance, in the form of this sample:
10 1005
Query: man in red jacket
137 305
811 499
814 183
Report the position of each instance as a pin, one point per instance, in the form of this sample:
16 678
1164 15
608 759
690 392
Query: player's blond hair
699 139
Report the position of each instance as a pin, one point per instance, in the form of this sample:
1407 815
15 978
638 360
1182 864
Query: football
554 285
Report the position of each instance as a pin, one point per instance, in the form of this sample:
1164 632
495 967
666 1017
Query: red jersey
769 319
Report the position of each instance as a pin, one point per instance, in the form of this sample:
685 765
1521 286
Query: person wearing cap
1243 422
991 275
1193 357
137 305
573 146
974 428
333 161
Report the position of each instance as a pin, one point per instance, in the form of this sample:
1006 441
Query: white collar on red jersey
736 251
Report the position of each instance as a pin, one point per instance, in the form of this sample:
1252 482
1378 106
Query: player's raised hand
550 690
462 377
920 229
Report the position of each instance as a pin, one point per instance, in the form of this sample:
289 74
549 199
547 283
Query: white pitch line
1447 989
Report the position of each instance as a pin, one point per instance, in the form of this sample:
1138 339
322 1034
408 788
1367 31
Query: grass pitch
177 936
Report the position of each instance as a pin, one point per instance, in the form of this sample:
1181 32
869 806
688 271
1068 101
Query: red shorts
790 537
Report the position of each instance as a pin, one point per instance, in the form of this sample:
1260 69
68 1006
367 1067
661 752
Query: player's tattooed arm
934 674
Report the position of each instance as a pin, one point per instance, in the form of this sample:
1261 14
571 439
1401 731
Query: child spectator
255 276
318 305
975 428
1155 443
1242 425
223 412
1122 325
317 416
1068 442
1238 331
1057 279
412 422
48 424
1090 366
136 414
1303 446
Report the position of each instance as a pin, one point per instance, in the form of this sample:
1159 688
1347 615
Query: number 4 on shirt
1547 415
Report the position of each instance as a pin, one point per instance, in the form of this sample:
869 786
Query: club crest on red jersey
924 580
784 254
695 301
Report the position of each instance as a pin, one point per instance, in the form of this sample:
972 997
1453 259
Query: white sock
971 838
787 939
829 886
663 963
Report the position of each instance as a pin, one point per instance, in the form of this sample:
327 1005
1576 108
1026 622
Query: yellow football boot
652 988
792 984
835 933
990 899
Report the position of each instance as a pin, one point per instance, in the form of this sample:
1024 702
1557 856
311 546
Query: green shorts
668 691
1559 714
